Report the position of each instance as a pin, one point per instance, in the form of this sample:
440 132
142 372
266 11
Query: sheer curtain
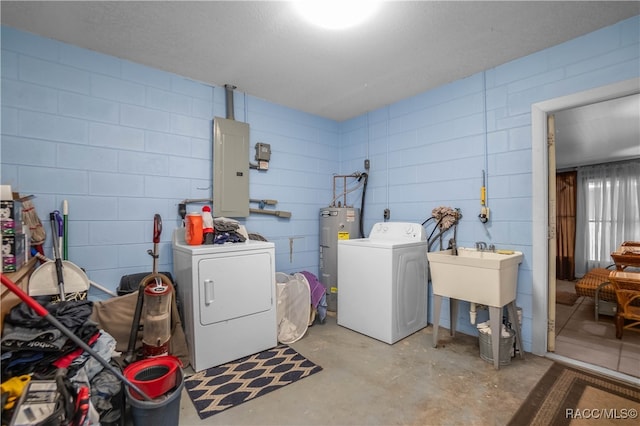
608 212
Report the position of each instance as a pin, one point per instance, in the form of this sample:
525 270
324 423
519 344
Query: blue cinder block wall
430 149
121 142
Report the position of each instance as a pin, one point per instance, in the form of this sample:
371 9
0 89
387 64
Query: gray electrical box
263 151
230 168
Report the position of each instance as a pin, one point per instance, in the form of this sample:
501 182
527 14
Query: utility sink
484 277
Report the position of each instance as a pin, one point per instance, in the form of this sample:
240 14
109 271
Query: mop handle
56 252
40 310
65 230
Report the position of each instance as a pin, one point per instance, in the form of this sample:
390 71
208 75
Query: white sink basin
482 277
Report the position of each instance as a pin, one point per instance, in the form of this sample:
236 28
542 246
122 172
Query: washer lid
398 232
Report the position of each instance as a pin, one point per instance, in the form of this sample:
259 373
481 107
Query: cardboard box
13 252
10 217
5 192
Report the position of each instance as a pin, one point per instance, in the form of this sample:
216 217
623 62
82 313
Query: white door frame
540 176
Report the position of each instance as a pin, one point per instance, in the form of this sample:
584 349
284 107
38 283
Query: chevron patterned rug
223 387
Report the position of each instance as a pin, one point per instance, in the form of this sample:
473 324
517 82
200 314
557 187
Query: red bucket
154 376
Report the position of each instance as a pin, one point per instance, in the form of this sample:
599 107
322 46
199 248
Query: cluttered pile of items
69 361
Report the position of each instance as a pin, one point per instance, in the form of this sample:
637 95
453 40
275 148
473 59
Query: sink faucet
481 245
453 246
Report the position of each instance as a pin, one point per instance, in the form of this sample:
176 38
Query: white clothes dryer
228 296
383 281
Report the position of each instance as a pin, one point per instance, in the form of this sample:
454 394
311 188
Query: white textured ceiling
267 51
589 134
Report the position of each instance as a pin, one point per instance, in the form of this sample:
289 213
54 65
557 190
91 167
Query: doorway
543 335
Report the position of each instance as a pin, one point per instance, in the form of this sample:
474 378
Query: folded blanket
223 224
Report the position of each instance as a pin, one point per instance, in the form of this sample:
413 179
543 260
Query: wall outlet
367 164
387 214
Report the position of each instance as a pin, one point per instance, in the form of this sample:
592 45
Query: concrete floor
368 382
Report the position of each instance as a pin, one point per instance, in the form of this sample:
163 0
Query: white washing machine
228 297
383 281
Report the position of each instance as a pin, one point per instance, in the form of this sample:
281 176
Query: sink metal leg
513 315
495 321
453 316
437 305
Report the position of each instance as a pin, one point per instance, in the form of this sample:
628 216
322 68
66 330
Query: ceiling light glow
336 15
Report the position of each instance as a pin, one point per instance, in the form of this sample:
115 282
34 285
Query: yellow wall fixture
484 210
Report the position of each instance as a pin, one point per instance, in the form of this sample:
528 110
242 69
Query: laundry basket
293 306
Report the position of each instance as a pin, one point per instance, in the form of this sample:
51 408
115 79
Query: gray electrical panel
336 223
230 168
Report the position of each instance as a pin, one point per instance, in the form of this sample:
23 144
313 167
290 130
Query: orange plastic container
193 229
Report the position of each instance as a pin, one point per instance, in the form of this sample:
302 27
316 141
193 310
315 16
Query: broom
31 219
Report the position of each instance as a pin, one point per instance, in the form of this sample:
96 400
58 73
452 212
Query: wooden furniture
595 283
627 255
627 288
21 279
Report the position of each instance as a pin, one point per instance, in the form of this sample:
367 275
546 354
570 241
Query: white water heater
336 223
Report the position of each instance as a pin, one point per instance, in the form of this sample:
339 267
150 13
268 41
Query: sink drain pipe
472 312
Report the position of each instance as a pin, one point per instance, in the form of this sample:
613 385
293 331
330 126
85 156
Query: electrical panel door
230 168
